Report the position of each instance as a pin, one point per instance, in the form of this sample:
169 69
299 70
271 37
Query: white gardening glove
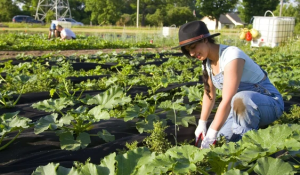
201 129
209 139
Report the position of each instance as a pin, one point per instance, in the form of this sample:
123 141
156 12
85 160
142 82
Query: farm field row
134 113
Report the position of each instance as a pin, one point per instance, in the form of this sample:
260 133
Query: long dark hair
204 72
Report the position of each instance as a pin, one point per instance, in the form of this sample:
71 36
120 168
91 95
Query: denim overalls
253 105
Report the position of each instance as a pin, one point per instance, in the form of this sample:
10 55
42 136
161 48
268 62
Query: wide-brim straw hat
193 31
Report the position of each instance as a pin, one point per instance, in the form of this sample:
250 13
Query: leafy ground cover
132 113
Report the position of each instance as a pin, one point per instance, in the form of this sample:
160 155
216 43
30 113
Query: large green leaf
194 93
131 113
50 168
79 110
220 158
129 162
292 144
217 165
161 164
19 122
111 81
296 131
11 122
106 136
169 105
272 166
190 108
272 139
108 164
67 171
52 105
124 100
108 99
147 124
21 78
186 158
251 152
157 96
66 119
89 169
235 172
228 151
68 142
84 139
99 114
47 122
6 116
192 153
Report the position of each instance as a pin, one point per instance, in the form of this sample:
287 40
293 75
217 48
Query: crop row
79 92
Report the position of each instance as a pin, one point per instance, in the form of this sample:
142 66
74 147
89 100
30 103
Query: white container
273 30
64 24
169 31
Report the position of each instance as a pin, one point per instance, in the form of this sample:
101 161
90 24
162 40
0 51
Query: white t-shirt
68 33
252 73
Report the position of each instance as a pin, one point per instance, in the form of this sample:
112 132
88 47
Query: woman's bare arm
232 77
207 104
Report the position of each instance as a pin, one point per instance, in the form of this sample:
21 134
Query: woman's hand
209 139
200 132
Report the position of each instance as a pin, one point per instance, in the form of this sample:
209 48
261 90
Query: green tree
287 10
50 15
147 7
250 8
78 11
29 6
184 3
104 11
155 19
213 9
8 9
179 15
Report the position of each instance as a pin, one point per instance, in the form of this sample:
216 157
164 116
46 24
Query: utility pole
60 8
281 4
137 13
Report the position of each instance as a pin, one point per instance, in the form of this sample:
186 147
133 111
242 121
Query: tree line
151 12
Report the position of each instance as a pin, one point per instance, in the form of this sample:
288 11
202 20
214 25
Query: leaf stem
3 147
66 88
80 94
295 159
19 96
2 138
202 171
175 125
3 102
251 169
61 113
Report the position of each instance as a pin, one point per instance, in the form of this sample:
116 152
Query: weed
157 141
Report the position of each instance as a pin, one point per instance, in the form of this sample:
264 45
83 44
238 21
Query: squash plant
77 122
253 154
12 122
6 96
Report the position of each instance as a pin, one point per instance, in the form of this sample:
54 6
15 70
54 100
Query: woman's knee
245 110
243 103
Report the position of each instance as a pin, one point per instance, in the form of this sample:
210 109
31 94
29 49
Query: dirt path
13 54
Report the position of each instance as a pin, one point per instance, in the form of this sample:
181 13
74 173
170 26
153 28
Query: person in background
52 31
249 99
65 33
